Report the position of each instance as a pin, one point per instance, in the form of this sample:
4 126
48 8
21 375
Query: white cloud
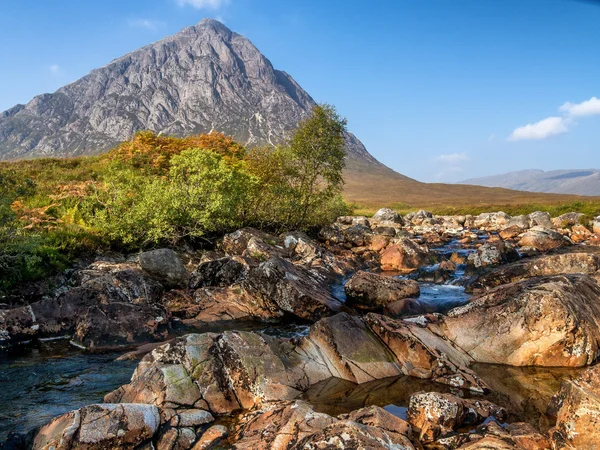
55 69
543 129
452 158
148 24
204 4
589 107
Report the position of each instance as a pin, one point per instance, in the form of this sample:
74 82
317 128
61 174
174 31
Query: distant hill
579 181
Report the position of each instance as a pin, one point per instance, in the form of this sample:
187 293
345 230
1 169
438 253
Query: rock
236 243
378 242
211 437
521 223
596 225
118 426
404 255
307 252
384 231
191 418
422 353
510 232
387 214
279 426
493 254
373 291
407 307
293 289
295 425
567 260
176 439
543 239
351 435
580 233
164 265
578 417
219 272
540 219
568 220
124 292
543 321
353 221
491 220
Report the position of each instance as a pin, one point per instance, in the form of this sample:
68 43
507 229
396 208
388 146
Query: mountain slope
203 78
580 182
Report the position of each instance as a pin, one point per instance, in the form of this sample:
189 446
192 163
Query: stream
52 377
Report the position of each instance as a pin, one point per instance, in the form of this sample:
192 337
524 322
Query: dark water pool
51 379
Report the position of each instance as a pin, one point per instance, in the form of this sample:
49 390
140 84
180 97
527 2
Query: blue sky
439 90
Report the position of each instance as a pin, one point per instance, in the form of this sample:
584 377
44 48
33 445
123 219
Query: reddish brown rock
578 417
404 255
543 239
373 291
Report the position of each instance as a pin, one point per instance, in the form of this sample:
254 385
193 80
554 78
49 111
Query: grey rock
164 265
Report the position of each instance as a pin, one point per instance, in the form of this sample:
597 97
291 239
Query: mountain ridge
203 78
568 181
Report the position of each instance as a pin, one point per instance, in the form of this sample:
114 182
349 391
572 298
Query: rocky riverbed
386 332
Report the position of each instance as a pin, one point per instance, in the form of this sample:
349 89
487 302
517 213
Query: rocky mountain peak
203 78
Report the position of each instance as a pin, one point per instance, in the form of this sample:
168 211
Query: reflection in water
52 379
523 392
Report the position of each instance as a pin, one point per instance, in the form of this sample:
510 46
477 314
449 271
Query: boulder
407 307
422 353
404 255
387 214
542 321
493 254
433 414
543 239
218 272
521 223
568 220
596 225
567 260
115 426
236 243
305 251
295 425
293 289
372 291
123 291
211 438
540 219
579 234
578 415
164 265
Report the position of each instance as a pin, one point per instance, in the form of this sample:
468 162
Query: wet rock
434 414
351 435
407 307
387 214
211 437
422 353
569 260
293 289
404 255
543 239
219 272
176 439
164 265
578 415
279 426
373 291
118 426
545 321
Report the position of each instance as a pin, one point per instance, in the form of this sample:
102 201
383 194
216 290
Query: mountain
203 78
580 182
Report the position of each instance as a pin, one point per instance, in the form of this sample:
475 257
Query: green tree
317 160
